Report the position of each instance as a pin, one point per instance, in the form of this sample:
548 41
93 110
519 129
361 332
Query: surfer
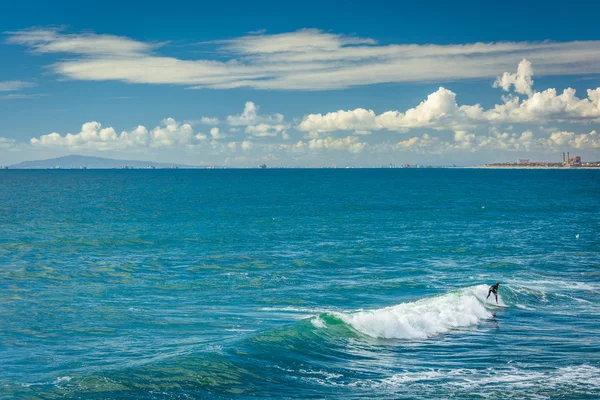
493 289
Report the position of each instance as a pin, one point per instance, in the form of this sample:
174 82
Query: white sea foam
553 285
424 318
62 379
318 322
515 383
582 376
524 307
298 312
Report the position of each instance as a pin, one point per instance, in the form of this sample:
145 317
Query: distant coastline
77 162
524 167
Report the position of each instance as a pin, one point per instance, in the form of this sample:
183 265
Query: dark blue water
299 284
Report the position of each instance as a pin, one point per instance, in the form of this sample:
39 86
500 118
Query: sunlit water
299 284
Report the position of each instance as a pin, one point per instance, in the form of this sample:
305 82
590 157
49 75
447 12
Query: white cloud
209 121
216 134
94 137
558 140
11 86
250 116
266 130
358 119
298 42
308 59
247 145
171 133
495 140
14 96
91 136
424 144
7 144
521 81
52 40
312 135
349 143
440 110
546 106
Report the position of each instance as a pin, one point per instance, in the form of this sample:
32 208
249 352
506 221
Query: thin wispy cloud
307 59
12 86
20 96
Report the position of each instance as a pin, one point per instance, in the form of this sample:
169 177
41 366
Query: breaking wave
419 319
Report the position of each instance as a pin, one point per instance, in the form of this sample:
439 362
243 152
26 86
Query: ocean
299 284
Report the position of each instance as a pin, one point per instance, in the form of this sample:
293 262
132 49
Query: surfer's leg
488 296
496 294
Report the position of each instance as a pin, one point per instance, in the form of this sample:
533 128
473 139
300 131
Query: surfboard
498 305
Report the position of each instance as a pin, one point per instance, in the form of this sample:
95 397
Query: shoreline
524 167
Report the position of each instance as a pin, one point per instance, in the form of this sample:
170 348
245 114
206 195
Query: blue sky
312 83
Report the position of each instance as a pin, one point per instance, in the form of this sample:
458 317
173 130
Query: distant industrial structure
571 162
567 162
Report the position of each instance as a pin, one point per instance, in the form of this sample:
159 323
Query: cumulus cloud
472 142
558 140
441 111
351 144
546 106
93 136
171 133
307 59
247 145
209 121
423 144
358 119
250 116
216 134
495 141
259 125
266 130
521 81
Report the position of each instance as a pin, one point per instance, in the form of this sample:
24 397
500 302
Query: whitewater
295 284
423 318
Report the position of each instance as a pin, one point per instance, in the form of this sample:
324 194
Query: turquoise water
299 284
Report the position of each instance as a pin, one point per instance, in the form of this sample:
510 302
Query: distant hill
79 162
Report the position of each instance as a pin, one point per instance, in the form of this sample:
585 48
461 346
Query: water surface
342 284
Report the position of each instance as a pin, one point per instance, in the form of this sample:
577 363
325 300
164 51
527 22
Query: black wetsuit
493 289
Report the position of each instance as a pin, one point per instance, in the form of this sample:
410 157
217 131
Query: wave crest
420 319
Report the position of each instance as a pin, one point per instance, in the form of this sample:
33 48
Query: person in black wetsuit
494 289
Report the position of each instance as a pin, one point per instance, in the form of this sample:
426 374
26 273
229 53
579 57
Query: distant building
522 161
573 161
